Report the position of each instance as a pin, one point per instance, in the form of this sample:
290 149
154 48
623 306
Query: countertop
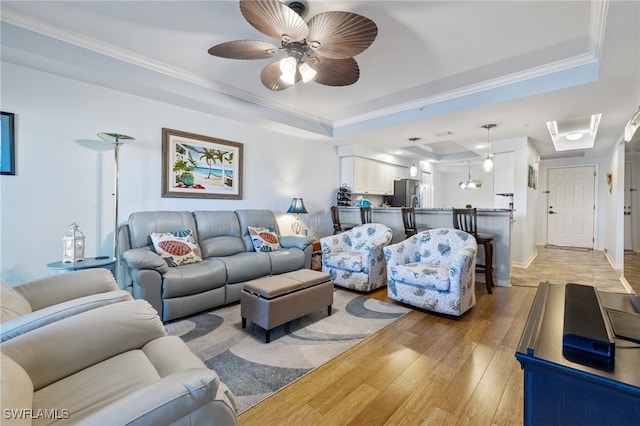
421 209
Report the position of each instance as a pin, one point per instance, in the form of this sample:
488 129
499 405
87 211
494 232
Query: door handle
552 212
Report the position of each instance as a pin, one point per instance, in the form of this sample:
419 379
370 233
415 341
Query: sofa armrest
462 268
172 398
295 241
382 241
33 320
60 288
336 243
145 259
72 344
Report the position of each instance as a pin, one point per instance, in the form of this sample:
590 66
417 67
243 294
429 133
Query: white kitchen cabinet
365 176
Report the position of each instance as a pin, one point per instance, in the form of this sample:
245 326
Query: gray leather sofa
34 304
228 258
112 365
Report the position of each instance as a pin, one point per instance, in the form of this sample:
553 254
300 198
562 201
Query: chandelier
470 183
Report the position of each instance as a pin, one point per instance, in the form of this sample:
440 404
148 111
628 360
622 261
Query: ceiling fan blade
341 35
274 19
270 77
244 49
336 72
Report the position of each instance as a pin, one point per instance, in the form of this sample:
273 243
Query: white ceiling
435 67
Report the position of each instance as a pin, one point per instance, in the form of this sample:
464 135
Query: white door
628 226
571 206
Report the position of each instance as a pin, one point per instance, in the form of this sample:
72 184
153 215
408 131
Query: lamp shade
297 206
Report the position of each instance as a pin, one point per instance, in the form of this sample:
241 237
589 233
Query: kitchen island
496 221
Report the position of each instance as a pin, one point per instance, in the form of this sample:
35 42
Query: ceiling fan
321 50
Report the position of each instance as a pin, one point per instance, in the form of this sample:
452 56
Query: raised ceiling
438 70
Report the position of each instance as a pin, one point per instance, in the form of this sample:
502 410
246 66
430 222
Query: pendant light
470 183
413 170
488 162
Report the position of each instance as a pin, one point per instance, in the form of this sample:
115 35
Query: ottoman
277 299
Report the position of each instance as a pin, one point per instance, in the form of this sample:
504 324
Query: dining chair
409 221
466 220
365 215
337 226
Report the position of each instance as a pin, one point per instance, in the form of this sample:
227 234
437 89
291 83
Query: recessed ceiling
574 133
435 66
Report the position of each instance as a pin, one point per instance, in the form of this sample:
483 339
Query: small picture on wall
532 179
7 144
199 166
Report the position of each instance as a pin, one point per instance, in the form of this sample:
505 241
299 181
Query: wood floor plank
429 369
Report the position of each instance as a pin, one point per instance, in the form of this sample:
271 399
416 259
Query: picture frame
197 166
532 178
7 144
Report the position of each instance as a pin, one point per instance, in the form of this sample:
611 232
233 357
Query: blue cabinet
562 388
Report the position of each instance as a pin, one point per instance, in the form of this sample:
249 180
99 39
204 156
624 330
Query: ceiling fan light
488 164
307 72
289 77
463 185
288 65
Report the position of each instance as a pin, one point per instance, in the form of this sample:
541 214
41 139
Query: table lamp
297 207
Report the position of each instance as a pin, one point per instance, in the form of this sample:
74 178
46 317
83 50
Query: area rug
253 370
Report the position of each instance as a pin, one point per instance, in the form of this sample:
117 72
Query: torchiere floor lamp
116 139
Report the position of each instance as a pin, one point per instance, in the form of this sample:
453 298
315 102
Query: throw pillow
176 248
264 239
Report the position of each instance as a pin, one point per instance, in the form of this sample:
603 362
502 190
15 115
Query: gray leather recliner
110 365
27 306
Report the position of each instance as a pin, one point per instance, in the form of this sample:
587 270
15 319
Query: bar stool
337 226
409 221
466 220
365 215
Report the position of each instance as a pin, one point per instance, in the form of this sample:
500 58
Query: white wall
614 224
448 193
65 173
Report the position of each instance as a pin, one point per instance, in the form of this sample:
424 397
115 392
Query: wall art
197 166
7 144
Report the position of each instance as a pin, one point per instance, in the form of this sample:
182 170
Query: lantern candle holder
73 245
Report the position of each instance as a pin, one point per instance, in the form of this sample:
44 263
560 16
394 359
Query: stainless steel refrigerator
406 193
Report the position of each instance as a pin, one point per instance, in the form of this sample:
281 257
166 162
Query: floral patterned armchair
354 258
434 270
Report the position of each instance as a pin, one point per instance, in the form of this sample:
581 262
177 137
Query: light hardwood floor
423 369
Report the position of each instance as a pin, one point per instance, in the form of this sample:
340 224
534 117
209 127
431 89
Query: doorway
426 192
571 206
628 222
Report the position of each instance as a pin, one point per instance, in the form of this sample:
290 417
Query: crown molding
141 61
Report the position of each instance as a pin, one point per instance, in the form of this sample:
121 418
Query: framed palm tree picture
7 144
199 166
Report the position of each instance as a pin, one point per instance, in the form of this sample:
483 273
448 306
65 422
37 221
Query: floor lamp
116 139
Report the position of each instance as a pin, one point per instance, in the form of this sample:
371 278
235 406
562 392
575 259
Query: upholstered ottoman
277 299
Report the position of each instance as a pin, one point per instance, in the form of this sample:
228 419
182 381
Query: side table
316 255
89 263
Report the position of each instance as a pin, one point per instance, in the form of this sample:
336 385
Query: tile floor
559 266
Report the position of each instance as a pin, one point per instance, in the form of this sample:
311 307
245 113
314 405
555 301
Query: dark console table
565 389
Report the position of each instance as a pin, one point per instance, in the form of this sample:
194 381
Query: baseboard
528 262
626 285
612 262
